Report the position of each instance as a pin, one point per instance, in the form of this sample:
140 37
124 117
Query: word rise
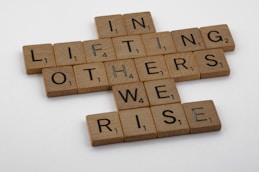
141 67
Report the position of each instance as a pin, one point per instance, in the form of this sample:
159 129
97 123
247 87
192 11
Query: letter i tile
59 81
137 124
104 128
202 116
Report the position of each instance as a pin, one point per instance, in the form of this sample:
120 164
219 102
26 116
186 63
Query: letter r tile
128 96
202 116
104 128
137 124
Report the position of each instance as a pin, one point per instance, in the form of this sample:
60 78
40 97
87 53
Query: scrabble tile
212 63
151 68
139 23
182 66
188 40
137 124
104 128
162 92
91 77
128 96
218 36
110 26
129 47
99 50
170 120
202 116
37 57
69 53
158 43
121 71
59 81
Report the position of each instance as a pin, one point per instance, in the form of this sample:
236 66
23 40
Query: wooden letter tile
158 43
110 26
129 96
212 63
139 23
151 68
188 40
202 116
91 77
69 53
99 50
182 66
59 81
170 120
129 47
37 57
104 128
121 71
218 36
162 92
137 124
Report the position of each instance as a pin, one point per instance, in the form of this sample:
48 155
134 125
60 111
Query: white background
40 134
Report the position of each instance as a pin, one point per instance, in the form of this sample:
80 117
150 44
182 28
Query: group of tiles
141 67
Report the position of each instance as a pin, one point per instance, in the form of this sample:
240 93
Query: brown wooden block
158 43
99 50
69 53
212 63
110 26
121 71
188 40
218 36
128 96
37 57
162 92
129 47
59 81
202 116
182 66
151 68
104 128
139 23
170 120
91 77
137 124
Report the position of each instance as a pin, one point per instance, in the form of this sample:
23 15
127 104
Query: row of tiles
153 122
94 77
41 56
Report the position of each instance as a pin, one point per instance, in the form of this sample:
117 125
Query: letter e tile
162 92
59 81
104 128
202 116
170 120
137 124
